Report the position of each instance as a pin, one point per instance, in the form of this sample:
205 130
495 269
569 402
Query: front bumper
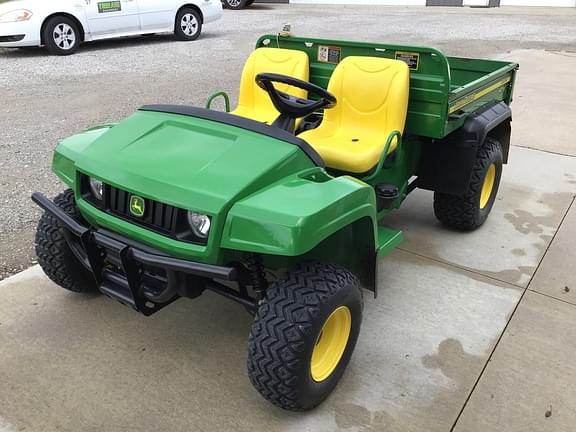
19 34
137 275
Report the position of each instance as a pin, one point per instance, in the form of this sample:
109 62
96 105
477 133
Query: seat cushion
372 95
253 102
348 150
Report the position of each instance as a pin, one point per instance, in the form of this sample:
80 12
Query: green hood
186 161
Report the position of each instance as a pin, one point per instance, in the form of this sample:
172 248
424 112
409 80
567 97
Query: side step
388 239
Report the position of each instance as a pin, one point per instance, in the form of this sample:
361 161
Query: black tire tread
54 255
460 212
282 322
178 34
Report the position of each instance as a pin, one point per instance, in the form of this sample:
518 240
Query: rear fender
446 164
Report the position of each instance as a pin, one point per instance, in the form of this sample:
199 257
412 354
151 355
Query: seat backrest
276 60
372 95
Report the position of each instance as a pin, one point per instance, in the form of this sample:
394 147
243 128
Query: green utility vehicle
277 205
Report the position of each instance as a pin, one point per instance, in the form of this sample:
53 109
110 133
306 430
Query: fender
64 158
293 220
74 10
446 164
291 217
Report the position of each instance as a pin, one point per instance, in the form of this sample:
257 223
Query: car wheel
188 25
304 334
235 4
61 36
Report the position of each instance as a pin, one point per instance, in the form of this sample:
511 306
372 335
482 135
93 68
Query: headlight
96 188
16 15
199 223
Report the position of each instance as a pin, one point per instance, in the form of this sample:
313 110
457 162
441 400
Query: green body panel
263 194
188 162
437 82
307 208
70 149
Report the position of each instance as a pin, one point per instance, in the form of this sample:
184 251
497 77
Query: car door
112 17
157 14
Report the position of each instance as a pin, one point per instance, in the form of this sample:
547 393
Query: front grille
162 218
157 215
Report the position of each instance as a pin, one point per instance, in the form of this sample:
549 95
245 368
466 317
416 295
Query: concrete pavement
470 332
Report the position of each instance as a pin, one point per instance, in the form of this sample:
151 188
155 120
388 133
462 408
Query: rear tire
61 36
55 256
188 25
469 211
235 4
304 334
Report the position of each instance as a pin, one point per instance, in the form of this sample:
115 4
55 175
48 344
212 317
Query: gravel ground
45 99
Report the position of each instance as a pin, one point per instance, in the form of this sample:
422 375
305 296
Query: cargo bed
443 90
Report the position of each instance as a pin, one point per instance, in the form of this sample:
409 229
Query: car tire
235 4
61 36
55 255
304 334
470 210
188 24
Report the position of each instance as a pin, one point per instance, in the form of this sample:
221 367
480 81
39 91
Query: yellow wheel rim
331 343
488 186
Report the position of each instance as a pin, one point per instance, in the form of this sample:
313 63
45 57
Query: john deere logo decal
137 205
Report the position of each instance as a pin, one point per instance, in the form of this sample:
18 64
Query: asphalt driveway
470 332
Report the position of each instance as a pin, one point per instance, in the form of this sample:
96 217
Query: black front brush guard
120 267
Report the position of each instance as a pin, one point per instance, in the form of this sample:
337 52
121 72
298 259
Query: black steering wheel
291 107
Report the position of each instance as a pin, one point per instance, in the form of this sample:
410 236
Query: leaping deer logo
137 206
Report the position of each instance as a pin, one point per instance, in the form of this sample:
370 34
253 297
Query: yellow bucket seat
372 95
253 102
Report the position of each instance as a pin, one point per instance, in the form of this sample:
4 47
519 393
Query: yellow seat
253 102
372 96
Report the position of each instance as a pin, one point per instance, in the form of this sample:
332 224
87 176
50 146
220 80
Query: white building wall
561 3
365 2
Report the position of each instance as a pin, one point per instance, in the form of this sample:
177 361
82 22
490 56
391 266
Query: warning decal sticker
329 54
410 58
109 6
